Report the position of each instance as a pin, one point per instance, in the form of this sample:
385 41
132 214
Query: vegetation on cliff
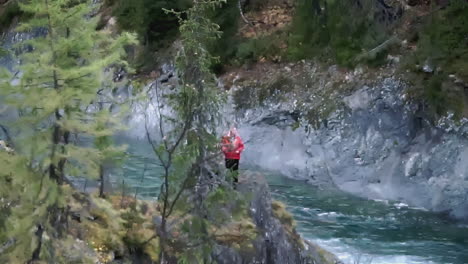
58 80
430 35
59 95
9 10
439 65
58 89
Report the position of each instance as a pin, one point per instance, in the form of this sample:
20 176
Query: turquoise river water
356 230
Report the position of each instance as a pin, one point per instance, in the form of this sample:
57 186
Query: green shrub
256 4
231 49
250 50
9 11
225 48
443 41
3 52
341 29
442 97
157 29
148 18
435 95
441 44
274 90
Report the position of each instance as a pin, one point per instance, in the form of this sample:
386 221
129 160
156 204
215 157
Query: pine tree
59 76
148 19
110 155
339 29
188 145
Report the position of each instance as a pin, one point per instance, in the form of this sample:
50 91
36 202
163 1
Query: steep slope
357 130
277 240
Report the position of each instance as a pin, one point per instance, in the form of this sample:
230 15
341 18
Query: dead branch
242 13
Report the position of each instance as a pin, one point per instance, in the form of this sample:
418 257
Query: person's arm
240 146
226 148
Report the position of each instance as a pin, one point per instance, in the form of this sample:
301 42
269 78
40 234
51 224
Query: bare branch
179 193
151 142
76 78
242 13
161 130
184 184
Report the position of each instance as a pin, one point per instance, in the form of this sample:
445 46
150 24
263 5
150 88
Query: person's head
233 132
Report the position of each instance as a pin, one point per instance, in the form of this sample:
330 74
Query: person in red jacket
232 147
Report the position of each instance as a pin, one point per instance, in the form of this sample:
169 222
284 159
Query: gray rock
273 245
428 67
376 144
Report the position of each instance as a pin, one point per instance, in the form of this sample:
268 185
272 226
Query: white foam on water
351 255
400 205
419 208
330 214
380 201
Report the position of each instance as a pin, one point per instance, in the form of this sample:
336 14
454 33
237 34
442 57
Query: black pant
233 165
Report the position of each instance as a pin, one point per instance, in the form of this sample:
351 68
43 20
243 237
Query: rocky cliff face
276 241
8 40
356 131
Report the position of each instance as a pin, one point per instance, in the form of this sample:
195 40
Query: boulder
277 241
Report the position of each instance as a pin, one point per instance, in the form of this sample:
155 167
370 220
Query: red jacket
235 152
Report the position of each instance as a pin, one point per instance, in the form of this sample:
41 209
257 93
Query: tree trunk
162 241
101 178
37 251
53 172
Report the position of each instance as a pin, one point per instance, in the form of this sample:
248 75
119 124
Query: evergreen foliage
232 49
58 79
8 11
225 47
155 28
443 40
441 45
26 200
342 29
189 144
257 4
269 47
148 19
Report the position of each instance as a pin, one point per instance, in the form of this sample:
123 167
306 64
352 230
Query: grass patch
238 234
287 220
280 212
120 227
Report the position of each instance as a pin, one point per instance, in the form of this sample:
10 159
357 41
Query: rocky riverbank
356 130
121 229
277 240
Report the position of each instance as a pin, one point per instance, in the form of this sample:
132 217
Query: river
356 230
